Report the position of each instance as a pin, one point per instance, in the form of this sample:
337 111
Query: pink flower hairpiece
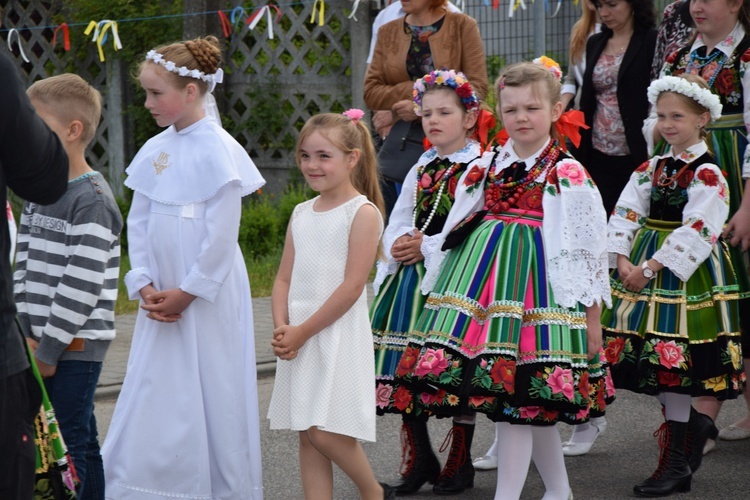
354 114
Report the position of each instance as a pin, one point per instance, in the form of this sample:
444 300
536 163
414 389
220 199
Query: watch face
648 272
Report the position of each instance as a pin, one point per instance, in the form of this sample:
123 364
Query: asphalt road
622 457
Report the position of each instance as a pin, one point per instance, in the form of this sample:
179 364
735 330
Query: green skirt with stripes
393 315
492 338
676 336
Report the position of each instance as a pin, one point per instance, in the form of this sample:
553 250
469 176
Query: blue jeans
71 392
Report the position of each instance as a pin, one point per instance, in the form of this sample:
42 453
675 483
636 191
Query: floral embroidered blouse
461 197
729 84
608 131
574 227
701 192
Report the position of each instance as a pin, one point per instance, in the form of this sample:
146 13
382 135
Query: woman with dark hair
613 96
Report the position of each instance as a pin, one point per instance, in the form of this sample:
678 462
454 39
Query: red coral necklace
509 190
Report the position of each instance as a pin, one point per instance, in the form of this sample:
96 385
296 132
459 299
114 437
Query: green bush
259 227
265 218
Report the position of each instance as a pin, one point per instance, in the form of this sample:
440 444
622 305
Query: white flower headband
702 96
212 80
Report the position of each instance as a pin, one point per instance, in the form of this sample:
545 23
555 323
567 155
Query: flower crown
702 96
448 78
212 80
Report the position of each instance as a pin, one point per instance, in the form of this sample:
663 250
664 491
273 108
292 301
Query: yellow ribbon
321 12
100 30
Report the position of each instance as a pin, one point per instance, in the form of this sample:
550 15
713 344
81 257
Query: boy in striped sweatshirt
67 269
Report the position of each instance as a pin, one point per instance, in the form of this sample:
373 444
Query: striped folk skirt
393 315
676 336
492 338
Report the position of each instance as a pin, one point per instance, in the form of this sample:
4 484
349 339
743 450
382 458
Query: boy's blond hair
69 97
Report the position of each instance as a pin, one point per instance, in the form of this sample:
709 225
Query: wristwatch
647 271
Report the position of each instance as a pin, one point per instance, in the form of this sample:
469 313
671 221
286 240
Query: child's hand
167 306
737 230
45 370
636 281
624 267
146 291
409 250
33 344
287 341
594 338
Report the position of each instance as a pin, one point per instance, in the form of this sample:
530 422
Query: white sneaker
487 462
576 448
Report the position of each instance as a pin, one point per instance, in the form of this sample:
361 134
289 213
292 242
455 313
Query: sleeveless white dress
329 384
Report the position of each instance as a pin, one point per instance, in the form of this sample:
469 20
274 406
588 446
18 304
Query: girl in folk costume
720 54
189 397
322 332
439 191
512 327
673 328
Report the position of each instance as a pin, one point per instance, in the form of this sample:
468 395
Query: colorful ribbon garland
100 35
66 36
226 26
12 32
320 10
253 20
352 14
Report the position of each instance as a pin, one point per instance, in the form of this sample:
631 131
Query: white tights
676 406
517 446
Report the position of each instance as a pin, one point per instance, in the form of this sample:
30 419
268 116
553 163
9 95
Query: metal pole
540 28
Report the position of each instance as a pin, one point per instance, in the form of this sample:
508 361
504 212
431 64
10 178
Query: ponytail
365 177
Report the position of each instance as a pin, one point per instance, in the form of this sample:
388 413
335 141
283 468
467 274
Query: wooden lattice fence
272 86
107 152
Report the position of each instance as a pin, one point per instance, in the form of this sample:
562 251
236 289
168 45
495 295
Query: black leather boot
458 473
419 463
673 473
700 429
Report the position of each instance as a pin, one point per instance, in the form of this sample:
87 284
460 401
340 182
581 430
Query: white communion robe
186 422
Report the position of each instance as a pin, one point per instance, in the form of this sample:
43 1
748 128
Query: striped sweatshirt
67 269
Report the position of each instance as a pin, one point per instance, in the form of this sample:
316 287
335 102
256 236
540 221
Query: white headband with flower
212 80
702 96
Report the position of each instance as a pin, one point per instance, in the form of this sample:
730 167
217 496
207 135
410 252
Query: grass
261 271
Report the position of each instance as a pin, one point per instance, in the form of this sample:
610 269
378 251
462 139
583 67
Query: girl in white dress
322 335
186 422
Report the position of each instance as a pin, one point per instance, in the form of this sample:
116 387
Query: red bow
486 123
569 126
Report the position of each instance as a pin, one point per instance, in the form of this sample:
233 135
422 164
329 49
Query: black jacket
633 80
34 165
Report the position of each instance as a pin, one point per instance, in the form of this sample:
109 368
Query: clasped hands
165 306
407 249
287 341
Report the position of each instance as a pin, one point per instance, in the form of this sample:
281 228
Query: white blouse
703 217
402 217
